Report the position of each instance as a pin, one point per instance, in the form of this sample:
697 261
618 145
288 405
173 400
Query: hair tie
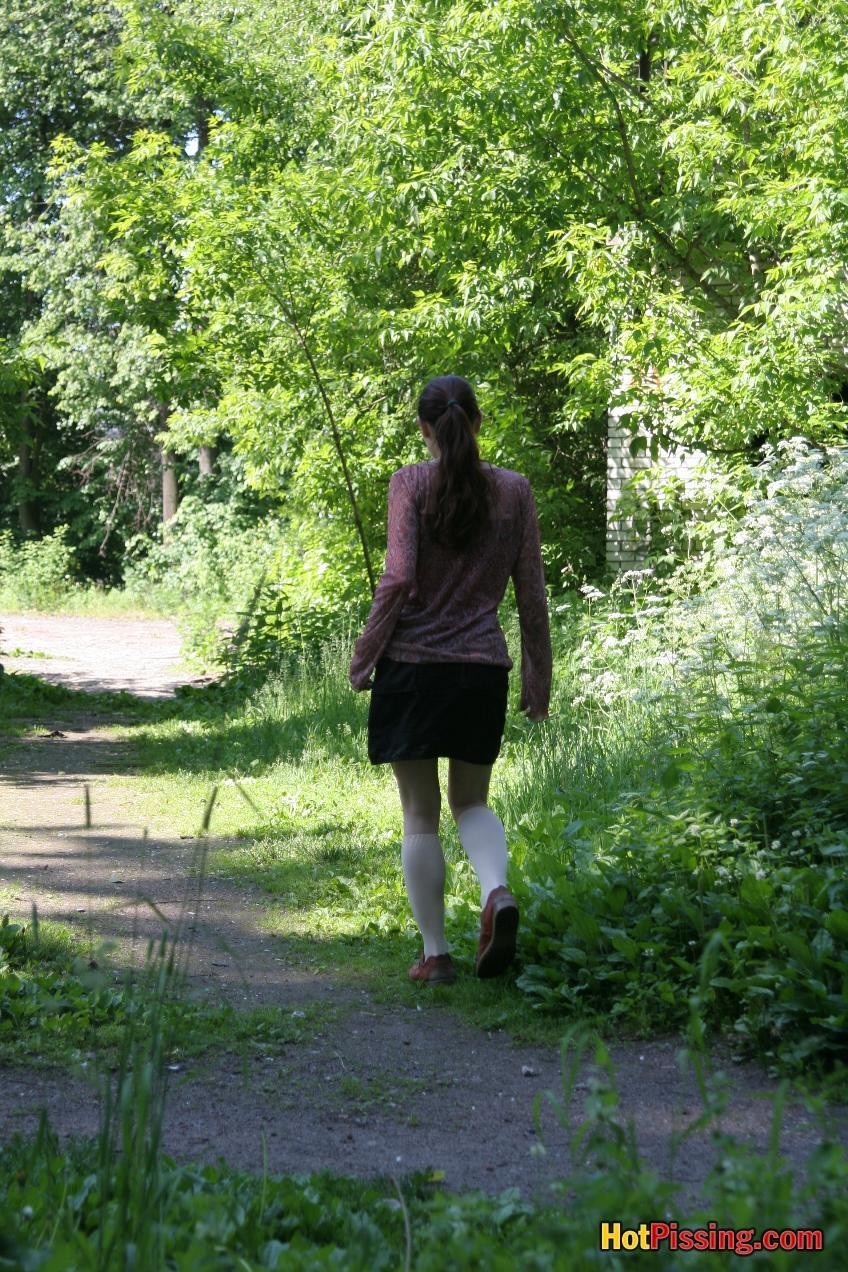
453 402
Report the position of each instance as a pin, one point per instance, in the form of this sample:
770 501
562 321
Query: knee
458 807
421 817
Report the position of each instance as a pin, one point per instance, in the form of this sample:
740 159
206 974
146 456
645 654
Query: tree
332 204
56 78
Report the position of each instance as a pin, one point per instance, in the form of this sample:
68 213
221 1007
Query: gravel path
141 656
378 1089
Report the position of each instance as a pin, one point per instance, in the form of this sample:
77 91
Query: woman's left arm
395 583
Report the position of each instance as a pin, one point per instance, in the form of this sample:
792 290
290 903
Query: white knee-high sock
424 873
481 834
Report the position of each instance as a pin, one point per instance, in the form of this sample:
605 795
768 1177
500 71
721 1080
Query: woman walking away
458 530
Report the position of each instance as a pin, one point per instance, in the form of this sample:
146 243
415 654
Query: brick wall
626 549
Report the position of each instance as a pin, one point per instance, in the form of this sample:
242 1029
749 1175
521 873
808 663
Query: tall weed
53 1214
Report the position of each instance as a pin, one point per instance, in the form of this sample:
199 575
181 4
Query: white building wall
626 548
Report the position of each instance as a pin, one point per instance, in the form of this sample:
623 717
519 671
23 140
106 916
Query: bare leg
468 785
480 831
420 796
421 853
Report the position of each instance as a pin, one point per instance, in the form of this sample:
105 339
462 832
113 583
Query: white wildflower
591 593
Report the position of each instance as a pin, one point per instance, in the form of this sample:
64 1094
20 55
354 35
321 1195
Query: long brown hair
458 505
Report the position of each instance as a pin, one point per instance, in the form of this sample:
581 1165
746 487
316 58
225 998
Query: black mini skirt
422 710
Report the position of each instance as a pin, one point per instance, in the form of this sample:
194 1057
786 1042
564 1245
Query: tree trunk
27 509
170 492
170 489
206 457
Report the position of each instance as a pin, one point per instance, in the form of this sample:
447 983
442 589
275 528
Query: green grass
652 825
63 1003
85 601
26 700
318 829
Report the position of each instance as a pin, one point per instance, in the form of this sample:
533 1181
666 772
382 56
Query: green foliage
27 699
58 80
267 226
12 943
62 1002
205 569
688 788
733 815
247 593
46 574
36 573
618 927
49 998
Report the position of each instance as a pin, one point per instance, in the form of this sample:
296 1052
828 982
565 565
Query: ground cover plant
26 700
65 999
241 590
734 816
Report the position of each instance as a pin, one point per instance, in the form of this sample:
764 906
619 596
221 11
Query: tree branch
602 75
288 310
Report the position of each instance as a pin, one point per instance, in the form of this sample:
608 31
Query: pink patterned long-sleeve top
439 604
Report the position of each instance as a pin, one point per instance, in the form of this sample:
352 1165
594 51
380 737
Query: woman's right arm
395 582
529 581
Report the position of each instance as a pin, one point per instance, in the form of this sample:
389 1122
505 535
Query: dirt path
377 1089
141 656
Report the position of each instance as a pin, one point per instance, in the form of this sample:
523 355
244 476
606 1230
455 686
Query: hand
532 714
358 681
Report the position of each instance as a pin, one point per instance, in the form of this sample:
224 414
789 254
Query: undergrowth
63 1001
26 700
690 784
691 781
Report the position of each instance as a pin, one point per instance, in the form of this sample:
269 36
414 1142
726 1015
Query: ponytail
458 506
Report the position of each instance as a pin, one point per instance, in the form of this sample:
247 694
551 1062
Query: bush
701 783
36 573
620 923
247 594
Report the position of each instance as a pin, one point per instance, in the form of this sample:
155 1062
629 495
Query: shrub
36 573
719 698
246 594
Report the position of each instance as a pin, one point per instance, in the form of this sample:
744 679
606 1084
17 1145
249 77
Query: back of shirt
439 604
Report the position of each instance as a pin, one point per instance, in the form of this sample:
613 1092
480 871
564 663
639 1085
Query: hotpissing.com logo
668 1235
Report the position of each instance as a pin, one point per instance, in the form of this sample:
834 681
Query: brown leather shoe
498 926
438 969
